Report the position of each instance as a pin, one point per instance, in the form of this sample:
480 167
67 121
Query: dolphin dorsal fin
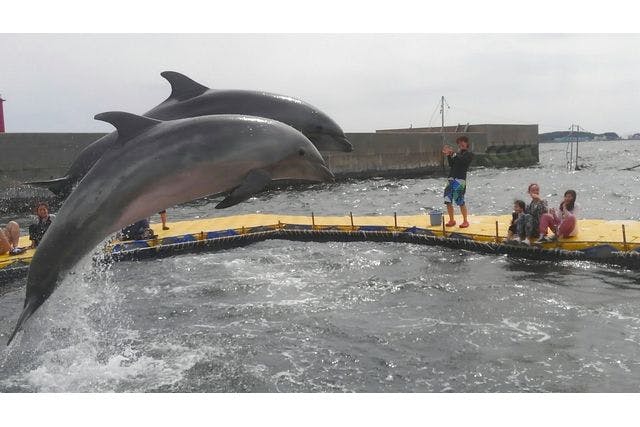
128 125
182 87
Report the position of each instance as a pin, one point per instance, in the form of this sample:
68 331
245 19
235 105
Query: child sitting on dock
517 232
535 209
137 231
9 238
526 224
563 223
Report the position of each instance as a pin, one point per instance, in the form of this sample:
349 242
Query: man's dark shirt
37 230
459 164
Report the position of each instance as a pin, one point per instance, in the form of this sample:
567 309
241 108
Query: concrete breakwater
386 153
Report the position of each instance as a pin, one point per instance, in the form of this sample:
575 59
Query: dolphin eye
301 151
319 128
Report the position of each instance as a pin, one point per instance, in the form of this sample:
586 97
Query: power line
433 114
490 116
509 119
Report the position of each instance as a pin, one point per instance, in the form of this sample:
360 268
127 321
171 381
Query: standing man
38 228
457 182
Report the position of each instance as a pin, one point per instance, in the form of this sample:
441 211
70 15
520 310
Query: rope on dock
629 259
601 254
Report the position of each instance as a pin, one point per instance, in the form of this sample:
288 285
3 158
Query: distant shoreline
590 141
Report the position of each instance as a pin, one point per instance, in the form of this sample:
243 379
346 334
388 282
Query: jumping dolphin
156 164
191 99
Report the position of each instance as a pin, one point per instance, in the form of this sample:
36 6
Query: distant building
574 139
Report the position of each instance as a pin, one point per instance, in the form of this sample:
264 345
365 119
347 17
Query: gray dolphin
154 165
191 99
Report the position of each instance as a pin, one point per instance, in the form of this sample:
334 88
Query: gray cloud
58 82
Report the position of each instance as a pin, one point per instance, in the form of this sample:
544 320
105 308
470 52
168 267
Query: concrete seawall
398 153
36 156
405 152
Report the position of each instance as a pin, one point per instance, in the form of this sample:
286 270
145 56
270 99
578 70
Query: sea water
281 316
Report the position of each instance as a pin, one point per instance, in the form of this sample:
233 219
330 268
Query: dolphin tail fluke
253 183
58 186
29 308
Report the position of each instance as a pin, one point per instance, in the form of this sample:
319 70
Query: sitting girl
563 223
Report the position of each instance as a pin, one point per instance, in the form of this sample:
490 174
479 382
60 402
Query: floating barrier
610 242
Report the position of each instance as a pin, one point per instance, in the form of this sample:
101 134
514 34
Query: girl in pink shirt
563 222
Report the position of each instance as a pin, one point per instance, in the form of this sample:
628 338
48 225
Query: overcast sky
58 82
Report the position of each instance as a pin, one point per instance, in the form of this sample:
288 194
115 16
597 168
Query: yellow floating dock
24 258
482 227
598 240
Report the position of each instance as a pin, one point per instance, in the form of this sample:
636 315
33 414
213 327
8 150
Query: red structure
1 115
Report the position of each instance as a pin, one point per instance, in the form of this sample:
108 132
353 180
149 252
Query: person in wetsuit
457 182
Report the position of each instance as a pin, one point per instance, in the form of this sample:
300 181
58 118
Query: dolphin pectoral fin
30 307
56 186
182 87
128 125
255 181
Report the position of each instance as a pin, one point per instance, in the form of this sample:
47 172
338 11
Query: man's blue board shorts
454 192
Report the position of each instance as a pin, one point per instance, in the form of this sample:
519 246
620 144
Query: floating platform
613 242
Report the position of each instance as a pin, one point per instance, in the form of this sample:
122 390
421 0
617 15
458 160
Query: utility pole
577 142
570 150
571 164
443 102
1 115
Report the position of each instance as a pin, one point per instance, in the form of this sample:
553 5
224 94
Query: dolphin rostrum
191 99
156 164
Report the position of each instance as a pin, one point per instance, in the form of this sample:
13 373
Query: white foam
527 329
